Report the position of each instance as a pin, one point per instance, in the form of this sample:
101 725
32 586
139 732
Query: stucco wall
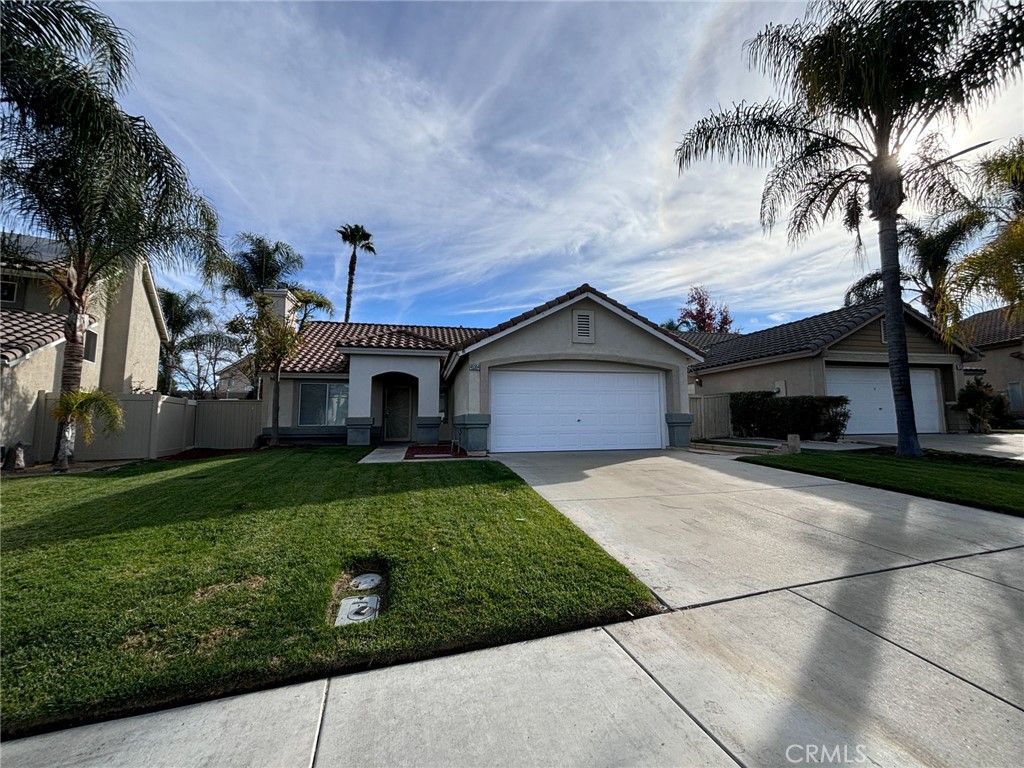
802 376
1001 368
547 345
362 369
131 353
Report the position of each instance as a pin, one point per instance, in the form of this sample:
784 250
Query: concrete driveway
1004 446
811 622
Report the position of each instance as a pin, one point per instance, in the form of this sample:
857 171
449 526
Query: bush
761 414
982 405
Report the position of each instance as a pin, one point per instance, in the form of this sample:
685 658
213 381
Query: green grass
996 484
168 582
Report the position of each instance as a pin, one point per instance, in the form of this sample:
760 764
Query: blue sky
500 153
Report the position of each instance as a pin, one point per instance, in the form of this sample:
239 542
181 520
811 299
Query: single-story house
1000 337
843 352
580 372
122 343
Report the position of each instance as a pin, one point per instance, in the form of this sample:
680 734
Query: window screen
322 404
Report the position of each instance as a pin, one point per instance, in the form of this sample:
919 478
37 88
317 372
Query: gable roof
23 332
809 335
994 327
583 291
324 342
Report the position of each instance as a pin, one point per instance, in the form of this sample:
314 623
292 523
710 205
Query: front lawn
977 481
167 582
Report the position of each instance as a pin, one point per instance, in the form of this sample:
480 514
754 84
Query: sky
501 153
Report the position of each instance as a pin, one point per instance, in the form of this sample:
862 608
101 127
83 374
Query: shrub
982 405
761 414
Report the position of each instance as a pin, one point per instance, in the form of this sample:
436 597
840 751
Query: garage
871 405
575 411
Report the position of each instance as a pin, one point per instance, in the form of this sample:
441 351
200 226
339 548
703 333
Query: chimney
284 303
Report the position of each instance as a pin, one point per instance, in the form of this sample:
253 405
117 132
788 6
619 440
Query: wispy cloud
501 153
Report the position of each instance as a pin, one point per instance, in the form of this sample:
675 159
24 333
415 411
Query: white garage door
571 411
871 405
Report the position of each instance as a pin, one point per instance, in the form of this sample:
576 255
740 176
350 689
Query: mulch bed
434 452
204 453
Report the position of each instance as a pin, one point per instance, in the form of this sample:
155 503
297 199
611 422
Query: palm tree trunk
351 284
70 381
896 336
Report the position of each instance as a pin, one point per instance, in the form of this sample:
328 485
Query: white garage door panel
871 405
572 411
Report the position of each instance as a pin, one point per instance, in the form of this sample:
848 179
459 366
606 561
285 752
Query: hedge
762 414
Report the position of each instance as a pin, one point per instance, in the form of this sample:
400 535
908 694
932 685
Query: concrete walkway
1006 446
809 617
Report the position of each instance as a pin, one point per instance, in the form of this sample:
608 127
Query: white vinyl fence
710 416
156 426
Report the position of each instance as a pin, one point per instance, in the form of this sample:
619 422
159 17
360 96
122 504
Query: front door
397 414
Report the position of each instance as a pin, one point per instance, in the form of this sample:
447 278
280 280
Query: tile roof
564 298
703 340
22 332
323 341
993 327
808 335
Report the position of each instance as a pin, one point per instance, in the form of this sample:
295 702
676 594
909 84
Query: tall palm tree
61 63
932 249
996 268
860 81
257 264
186 316
360 240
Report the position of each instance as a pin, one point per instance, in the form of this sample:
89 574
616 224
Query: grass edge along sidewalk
976 481
162 583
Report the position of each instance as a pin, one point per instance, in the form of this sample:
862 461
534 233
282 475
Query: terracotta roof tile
323 342
994 327
22 332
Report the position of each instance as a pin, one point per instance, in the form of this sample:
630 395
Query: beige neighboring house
580 372
843 352
1000 338
122 345
233 380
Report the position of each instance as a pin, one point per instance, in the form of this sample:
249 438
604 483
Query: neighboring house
581 372
122 347
233 380
1000 337
842 353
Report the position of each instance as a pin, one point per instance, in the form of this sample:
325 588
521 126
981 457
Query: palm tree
60 65
187 317
861 80
360 240
258 264
996 268
80 408
933 249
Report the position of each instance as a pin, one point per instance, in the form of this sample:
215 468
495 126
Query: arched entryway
395 404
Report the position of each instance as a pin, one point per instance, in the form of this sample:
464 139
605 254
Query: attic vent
583 326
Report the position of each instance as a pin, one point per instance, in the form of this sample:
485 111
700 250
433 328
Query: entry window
582 326
442 405
90 346
1016 396
8 290
322 404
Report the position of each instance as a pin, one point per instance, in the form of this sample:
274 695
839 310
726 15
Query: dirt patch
205 593
147 646
208 643
435 451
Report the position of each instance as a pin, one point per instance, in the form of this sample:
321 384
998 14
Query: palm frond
81 407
